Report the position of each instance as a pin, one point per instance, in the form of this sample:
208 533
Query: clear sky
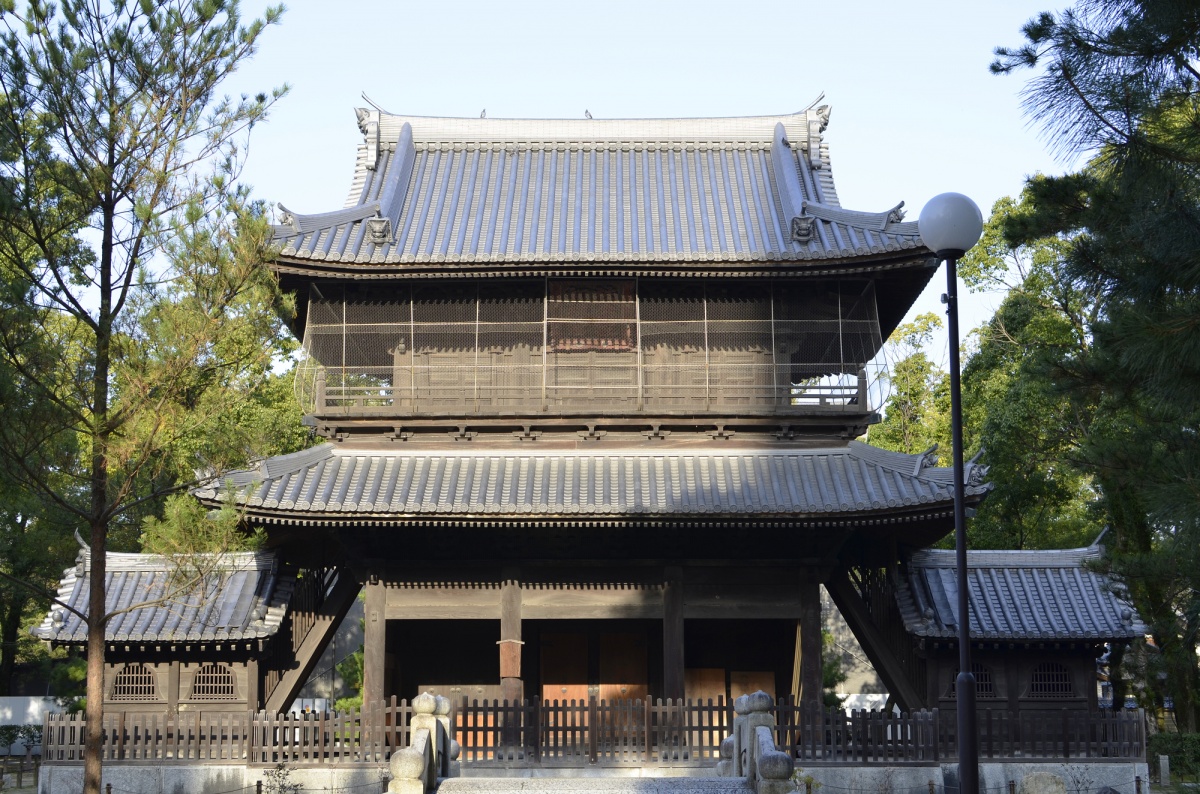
915 110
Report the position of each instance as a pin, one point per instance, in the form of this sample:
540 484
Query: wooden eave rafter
783 268
842 520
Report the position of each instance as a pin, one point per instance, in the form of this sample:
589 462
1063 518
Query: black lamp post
950 224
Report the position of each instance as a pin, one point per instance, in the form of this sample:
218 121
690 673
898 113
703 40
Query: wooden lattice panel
213 682
135 682
1051 680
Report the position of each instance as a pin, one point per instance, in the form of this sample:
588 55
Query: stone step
585 785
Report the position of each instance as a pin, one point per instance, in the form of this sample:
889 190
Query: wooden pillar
374 642
672 595
252 686
809 659
511 686
173 688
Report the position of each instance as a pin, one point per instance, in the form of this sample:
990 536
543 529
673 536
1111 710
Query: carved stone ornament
976 477
975 471
379 230
896 213
368 123
823 114
286 216
803 228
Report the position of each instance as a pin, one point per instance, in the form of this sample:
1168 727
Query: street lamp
950 224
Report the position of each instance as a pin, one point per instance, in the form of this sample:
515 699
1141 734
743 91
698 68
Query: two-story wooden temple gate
589 393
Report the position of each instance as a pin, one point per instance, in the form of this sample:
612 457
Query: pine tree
115 146
1116 79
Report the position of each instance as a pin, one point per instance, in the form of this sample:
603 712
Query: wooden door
623 666
564 667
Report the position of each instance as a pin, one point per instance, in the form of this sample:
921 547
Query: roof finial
371 102
586 114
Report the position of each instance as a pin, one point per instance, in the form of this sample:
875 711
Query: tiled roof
649 190
342 481
1026 595
242 598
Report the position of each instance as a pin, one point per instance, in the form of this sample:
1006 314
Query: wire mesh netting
607 345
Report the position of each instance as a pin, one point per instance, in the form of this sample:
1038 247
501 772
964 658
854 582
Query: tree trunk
93 745
10 625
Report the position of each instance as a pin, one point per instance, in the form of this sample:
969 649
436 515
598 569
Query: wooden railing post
593 728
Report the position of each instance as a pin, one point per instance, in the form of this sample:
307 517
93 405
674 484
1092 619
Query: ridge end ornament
803 228
379 230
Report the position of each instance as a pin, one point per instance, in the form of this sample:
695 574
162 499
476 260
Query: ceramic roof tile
647 190
241 598
1030 595
335 480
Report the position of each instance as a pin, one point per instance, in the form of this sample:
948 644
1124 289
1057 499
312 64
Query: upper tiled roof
242 598
1026 595
751 189
337 481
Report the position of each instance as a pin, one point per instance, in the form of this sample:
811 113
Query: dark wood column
511 687
810 642
672 596
374 642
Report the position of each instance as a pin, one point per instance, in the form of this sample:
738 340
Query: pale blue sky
915 110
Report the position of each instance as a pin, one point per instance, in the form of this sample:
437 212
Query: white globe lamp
950 224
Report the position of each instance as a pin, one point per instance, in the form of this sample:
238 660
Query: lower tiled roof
1021 595
344 481
238 597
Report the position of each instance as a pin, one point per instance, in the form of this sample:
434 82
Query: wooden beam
851 605
672 616
329 616
374 642
810 643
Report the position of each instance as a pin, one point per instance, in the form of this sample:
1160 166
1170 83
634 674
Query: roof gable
240 597
753 189
1022 595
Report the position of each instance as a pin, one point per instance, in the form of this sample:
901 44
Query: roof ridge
989 558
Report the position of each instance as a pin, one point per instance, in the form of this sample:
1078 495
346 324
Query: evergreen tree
1017 409
1117 79
116 148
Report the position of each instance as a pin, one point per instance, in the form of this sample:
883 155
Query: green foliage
345 704
1183 748
832 674
917 415
1117 79
1015 406
188 529
68 681
133 304
278 780
351 671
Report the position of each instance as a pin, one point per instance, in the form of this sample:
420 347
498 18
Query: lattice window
591 316
1051 680
213 682
436 347
985 686
135 682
